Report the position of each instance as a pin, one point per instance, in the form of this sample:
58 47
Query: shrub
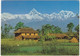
49 47
46 38
7 49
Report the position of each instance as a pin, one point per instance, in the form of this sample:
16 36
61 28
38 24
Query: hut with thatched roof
59 36
26 33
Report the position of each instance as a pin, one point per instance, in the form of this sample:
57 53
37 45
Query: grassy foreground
28 47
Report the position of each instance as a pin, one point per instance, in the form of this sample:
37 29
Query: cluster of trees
49 29
20 25
70 27
55 29
6 29
44 31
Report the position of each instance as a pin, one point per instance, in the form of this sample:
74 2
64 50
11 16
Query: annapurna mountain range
36 19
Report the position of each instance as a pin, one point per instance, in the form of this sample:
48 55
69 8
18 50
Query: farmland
29 47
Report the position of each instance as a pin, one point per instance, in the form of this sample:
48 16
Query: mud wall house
26 33
59 36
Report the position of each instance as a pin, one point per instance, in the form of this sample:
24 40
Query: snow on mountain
33 12
35 15
35 19
66 14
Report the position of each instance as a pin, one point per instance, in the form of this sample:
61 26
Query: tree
5 31
57 30
43 29
7 28
70 27
2 32
46 29
77 29
19 25
39 31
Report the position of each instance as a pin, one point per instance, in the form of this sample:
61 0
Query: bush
46 38
49 47
8 49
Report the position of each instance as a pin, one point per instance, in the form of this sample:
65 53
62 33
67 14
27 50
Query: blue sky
24 7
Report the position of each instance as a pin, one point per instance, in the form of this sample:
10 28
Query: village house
59 36
65 36
26 33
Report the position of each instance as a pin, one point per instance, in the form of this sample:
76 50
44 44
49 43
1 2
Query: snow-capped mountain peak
33 12
36 19
67 13
35 15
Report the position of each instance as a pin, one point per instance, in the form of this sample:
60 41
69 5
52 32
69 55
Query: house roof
57 35
26 30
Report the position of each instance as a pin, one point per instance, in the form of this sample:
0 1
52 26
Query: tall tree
43 29
46 29
5 31
2 32
70 27
50 29
57 30
77 29
19 25
7 28
39 31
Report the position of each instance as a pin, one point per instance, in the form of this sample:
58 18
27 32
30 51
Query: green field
28 47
